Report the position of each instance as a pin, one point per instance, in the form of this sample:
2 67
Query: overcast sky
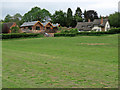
103 7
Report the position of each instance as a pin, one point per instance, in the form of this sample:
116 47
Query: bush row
67 33
19 35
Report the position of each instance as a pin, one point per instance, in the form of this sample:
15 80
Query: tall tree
78 12
59 17
78 15
35 14
91 14
114 19
8 18
69 17
85 15
17 18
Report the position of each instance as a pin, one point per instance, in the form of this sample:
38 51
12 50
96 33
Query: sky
102 7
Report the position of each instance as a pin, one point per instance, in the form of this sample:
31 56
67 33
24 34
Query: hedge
64 34
19 35
112 31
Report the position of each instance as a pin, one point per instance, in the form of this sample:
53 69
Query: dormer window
88 26
83 26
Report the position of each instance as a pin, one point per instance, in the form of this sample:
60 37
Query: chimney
101 20
88 20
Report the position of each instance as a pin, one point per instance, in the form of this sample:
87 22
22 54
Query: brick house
37 26
6 27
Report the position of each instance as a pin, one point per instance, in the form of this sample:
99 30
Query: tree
90 14
78 15
35 14
78 12
85 15
114 19
14 29
59 17
17 18
69 17
8 18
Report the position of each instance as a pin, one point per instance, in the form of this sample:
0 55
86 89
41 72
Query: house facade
6 27
96 25
37 26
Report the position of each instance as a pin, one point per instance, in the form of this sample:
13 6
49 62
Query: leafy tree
17 18
90 14
8 18
35 14
78 15
14 29
114 19
59 17
85 15
78 12
69 17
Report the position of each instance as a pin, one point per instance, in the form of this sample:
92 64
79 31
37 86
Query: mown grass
55 62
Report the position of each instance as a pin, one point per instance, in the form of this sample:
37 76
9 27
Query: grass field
56 62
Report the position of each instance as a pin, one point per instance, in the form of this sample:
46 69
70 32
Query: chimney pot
89 20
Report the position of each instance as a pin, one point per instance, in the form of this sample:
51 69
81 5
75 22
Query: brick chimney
101 20
89 20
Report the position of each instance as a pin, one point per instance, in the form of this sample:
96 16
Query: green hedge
69 33
65 35
19 35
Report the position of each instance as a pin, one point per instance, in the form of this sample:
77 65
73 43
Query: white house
96 25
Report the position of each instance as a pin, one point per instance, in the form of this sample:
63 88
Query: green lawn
56 62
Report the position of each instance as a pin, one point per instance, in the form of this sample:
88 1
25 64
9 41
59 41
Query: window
83 26
98 29
30 27
89 26
37 28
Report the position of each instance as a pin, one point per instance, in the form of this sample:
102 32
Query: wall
97 28
107 26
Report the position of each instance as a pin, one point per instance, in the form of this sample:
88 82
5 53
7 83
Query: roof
84 26
87 26
55 25
98 22
34 22
28 23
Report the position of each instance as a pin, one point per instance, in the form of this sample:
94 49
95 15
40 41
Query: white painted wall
96 28
107 26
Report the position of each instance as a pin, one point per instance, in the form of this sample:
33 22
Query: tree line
66 19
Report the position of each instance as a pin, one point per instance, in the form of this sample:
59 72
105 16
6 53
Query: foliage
90 14
8 18
20 35
59 17
115 19
14 29
78 15
36 14
69 17
93 33
64 34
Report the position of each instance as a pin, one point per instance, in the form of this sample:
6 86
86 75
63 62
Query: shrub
14 29
114 31
20 35
64 34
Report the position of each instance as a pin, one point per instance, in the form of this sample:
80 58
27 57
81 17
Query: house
6 27
37 26
34 25
96 25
